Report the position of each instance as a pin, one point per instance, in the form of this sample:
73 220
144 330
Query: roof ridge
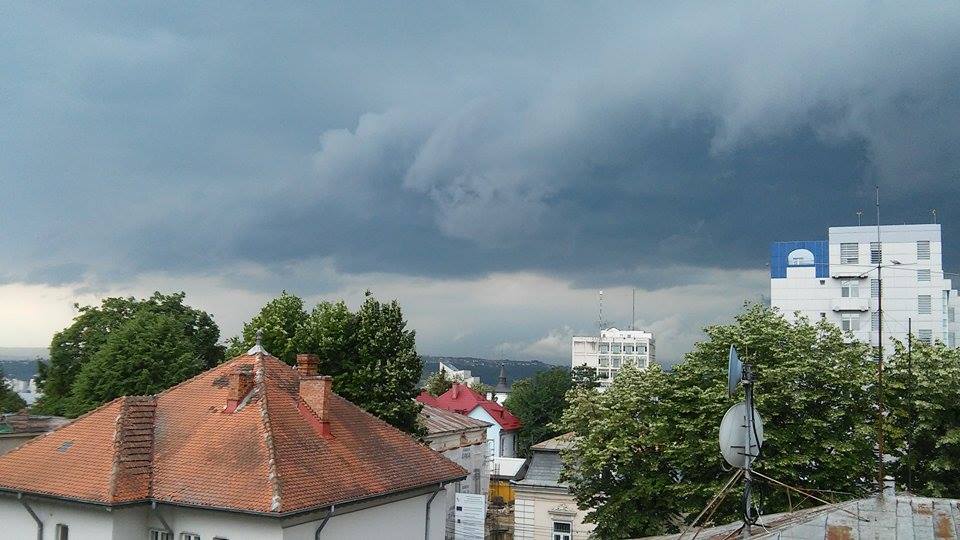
273 476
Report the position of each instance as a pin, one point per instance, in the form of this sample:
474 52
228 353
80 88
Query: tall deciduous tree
146 355
75 346
539 402
279 321
438 383
924 421
652 441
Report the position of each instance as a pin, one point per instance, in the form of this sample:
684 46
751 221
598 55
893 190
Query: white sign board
469 515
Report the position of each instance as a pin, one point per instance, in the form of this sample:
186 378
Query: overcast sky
490 165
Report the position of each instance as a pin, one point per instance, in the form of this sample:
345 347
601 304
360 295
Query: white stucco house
461 399
544 508
250 450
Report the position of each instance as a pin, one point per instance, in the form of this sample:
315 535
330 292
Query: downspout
33 515
316 534
426 527
156 512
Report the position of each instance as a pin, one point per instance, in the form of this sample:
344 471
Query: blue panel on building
779 260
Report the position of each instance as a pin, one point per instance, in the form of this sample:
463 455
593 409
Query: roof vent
258 346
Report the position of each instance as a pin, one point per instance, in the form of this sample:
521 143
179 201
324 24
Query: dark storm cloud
614 144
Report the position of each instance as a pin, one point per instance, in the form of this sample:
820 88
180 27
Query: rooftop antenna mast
633 315
934 212
859 218
881 410
600 318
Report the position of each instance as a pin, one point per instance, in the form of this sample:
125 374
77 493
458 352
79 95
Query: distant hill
488 370
21 362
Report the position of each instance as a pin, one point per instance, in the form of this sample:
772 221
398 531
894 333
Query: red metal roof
462 399
269 456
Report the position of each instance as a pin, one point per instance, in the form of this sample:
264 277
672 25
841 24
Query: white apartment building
838 280
612 350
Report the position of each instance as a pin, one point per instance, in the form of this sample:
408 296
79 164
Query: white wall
85 522
586 350
818 298
401 520
533 519
504 446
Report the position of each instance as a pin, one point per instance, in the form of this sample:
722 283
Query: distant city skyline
491 166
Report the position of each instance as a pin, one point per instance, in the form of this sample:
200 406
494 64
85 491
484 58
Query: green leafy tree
584 376
76 345
280 321
924 422
330 331
384 375
539 402
650 441
481 388
10 401
146 355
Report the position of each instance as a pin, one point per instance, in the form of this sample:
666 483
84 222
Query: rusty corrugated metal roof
897 517
437 421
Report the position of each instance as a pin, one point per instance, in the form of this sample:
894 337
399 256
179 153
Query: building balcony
850 304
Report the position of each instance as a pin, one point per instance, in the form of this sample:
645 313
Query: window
628 348
604 361
848 253
603 373
615 362
875 320
952 314
156 534
925 336
952 339
823 315
616 348
465 454
850 321
850 288
189 536
923 304
923 275
604 347
874 288
875 252
561 530
923 250
62 532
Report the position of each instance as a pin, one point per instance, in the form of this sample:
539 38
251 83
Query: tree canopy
539 402
439 382
370 353
80 344
650 441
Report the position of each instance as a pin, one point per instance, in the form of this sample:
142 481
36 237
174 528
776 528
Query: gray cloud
601 145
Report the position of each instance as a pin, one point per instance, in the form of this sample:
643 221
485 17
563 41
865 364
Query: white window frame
160 534
189 536
874 287
923 250
849 253
924 304
923 275
61 532
561 534
850 322
876 252
875 320
850 288
925 335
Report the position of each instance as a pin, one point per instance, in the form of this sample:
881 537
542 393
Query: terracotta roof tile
269 455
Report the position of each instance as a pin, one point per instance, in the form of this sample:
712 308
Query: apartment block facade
611 350
838 280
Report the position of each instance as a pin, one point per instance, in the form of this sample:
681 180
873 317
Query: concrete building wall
846 291
471 451
611 350
536 511
84 522
10 441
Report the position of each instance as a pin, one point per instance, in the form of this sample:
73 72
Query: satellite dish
734 371
733 434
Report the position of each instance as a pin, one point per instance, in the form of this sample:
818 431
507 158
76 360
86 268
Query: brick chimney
307 365
241 382
321 387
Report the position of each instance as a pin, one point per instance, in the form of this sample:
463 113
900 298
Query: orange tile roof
268 456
